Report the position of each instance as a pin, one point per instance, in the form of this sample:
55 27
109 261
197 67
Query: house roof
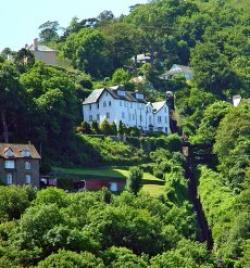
17 150
42 48
179 68
158 105
96 94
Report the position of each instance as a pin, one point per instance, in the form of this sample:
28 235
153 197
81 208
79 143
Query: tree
106 128
11 98
123 258
95 127
212 70
121 77
213 114
71 259
134 180
105 17
24 59
49 31
87 51
13 201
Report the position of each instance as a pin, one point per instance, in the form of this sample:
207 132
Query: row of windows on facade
10 164
130 117
9 179
122 103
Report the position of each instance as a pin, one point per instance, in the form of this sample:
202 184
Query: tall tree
10 97
49 31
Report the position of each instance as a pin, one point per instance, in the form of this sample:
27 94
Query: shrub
134 180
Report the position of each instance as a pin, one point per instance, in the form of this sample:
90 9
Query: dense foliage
57 229
42 103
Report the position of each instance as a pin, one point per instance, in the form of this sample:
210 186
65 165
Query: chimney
35 44
170 100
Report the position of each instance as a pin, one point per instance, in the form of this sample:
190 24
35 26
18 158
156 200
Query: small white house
116 104
186 71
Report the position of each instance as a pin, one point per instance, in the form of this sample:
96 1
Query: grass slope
151 184
110 172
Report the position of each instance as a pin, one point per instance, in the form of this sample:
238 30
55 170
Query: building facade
116 104
43 53
19 164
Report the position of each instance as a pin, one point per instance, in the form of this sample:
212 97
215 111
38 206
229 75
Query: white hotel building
116 104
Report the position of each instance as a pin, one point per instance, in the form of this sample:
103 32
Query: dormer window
8 153
139 96
121 93
25 153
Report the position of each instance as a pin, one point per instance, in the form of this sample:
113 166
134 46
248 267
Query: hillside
184 200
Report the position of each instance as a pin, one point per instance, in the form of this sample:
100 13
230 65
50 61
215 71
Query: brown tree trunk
5 126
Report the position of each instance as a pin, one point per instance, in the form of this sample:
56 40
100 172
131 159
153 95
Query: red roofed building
19 164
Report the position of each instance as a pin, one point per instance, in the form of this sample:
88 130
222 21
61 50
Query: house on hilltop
116 104
19 164
43 53
176 69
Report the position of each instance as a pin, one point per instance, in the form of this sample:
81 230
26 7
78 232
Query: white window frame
10 164
28 179
9 179
27 165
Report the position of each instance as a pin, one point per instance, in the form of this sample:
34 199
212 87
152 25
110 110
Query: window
123 115
129 116
90 107
97 105
9 178
139 96
25 153
150 120
28 179
109 103
98 117
90 118
120 103
121 93
104 104
108 115
166 119
159 119
9 164
133 117
8 153
141 119
27 165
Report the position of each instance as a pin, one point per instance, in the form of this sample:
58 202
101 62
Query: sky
20 19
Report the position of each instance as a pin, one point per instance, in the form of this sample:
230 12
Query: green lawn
152 185
113 172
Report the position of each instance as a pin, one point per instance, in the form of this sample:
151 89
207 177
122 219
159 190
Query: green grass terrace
151 184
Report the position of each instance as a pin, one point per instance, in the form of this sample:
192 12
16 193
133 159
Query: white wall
132 114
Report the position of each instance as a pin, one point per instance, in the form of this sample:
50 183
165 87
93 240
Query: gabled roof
158 105
180 68
42 48
17 150
97 93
